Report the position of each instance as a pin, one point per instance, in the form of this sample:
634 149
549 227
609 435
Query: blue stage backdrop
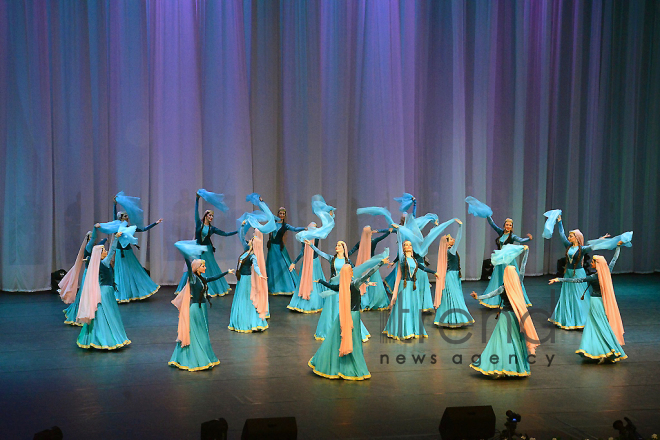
526 105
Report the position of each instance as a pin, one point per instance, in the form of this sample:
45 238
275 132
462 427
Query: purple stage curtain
525 105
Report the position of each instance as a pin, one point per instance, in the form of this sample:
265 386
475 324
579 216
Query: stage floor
47 380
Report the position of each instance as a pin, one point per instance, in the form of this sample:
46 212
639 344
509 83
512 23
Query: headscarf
578 236
441 269
306 273
517 300
364 252
345 318
90 297
69 284
609 300
259 293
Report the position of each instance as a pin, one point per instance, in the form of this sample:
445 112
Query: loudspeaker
215 430
277 428
54 433
467 423
55 279
486 270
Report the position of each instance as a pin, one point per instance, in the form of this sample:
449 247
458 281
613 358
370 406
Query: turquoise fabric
405 320
496 280
216 288
570 312
133 282
199 354
452 311
280 280
508 344
375 297
106 330
327 362
243 317
315 302
424 290
598 339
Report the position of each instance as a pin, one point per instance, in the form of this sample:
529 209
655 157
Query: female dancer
373 298
331 304
102 327
306 298
133 281
281 281
71 312
451 310
514 338
505 236
340 355
203 232
193 351
570 313
405 320
248 313
602 337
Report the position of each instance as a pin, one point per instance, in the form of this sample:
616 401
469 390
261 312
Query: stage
132 392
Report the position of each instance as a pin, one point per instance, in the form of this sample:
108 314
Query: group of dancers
587 300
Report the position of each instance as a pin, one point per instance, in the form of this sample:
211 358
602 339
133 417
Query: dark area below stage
47 380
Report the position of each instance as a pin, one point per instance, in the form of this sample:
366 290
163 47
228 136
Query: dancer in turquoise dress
340 355
204 230
281 281
374 297
193 351
514 338
405 320
331 304
133 281
307 298
602 336
505 236
71 312
245 316
570 313
102 327
451 310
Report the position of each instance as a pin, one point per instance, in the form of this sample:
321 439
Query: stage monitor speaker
467 423
486 270
54 433
55 278
277 428
215 430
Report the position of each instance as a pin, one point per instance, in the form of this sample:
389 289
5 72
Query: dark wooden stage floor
47 380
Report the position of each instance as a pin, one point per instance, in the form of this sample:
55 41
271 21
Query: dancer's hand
474 295
437 275
395 226
558 218
529 236
390 264
605 236
619 243
118 234
371 284
263 277
291 267
459 222
98 225
525 247
159 221
437 222
316 281
386 260
307 242
554 280
231 271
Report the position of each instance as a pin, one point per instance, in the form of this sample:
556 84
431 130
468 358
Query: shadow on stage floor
47 380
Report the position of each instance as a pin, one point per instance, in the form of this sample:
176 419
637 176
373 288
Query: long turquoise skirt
496 280
506 351
390 279
424 288
133 282
280 280
328 316
315 302
216 288
375 297
327 362
598 340
452 312
571 312
71 312
199 354
244 317
405 320
106 330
